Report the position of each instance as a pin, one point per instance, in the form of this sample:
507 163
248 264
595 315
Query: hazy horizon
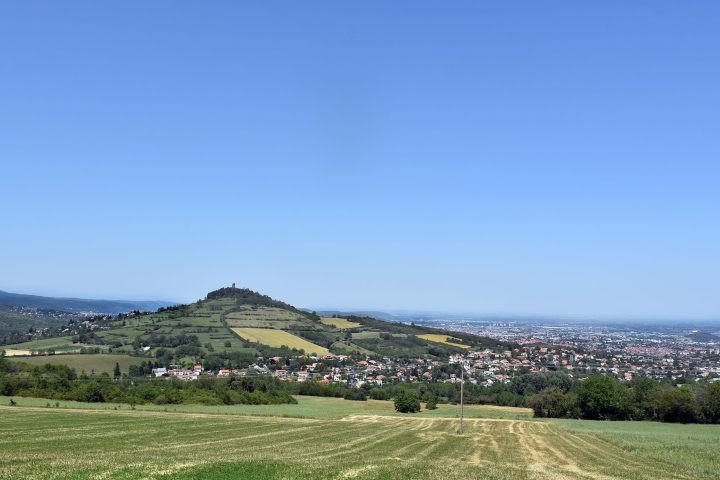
482 157
409 311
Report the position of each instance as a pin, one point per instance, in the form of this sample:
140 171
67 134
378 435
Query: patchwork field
82 444
278 338
339 322
445 339
99 363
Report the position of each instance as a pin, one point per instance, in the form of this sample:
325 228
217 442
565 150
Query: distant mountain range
77 305
360 313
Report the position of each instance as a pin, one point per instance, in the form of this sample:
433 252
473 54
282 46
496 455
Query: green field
104 362
339 322
693 447
62 343
249 316
40 442
278 338
307 407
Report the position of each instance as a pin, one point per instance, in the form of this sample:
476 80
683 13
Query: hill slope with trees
211 331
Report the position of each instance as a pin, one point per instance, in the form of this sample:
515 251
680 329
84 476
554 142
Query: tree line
58 382
596 397
603 398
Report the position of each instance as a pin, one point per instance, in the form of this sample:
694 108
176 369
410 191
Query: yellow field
17 353
339 322
433 337
278 338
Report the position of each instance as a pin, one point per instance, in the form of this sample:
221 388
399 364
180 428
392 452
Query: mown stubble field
126 444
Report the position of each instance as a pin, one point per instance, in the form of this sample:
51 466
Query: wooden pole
462 384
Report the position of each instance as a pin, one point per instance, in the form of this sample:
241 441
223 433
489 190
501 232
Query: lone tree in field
431 403
116 370
407 402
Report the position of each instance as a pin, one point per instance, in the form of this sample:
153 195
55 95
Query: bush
678 405
431 403
91 392
711 403
554 403
355 394
603 398
407 401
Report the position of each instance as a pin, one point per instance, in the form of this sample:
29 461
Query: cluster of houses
481 367
179 372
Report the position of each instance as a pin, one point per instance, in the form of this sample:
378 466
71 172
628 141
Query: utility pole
462 384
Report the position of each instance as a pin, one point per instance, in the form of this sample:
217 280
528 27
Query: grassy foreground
307 407
690 447
38 442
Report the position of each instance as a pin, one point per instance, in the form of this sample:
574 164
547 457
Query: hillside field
445 339
132 444
207 331
342 323
84 363
278 338
58 344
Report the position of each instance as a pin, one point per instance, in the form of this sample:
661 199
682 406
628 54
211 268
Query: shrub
603 398
554 403
407 401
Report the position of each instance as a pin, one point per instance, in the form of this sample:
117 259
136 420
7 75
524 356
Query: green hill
233 326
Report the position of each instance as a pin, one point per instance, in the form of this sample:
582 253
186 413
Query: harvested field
79 444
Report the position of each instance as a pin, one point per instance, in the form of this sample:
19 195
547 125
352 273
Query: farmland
339 322
54 343
203 331
85 363
444 339
325 408
77 444
278 338
273 317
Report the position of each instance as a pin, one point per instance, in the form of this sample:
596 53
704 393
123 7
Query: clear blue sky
523 157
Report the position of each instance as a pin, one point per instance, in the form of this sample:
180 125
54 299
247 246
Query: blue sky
533 157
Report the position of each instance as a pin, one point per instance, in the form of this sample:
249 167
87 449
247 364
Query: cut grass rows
46 443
